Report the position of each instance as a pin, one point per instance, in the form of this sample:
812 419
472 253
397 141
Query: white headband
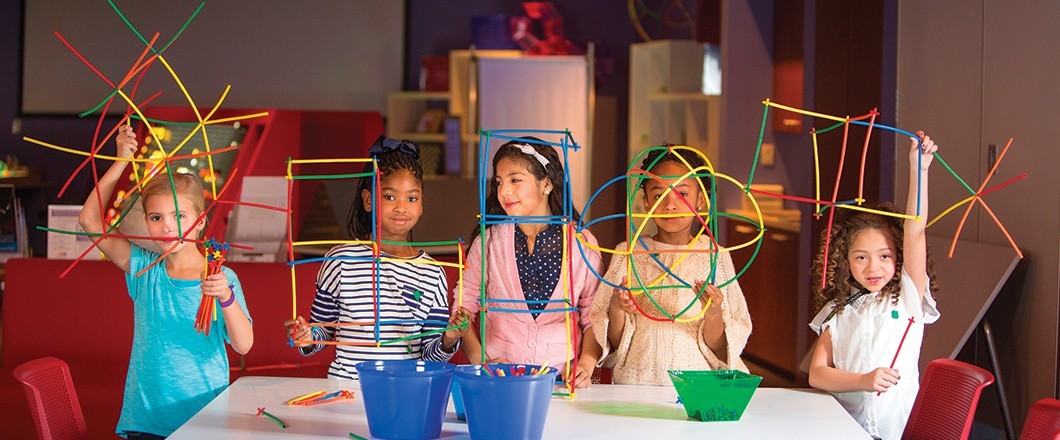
530 151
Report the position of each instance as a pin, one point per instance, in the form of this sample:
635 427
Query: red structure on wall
270 140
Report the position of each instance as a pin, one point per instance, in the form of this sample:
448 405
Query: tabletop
601 411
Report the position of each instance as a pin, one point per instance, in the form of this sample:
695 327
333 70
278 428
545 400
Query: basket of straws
215 258
718 395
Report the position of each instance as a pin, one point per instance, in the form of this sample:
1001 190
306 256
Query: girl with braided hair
412 292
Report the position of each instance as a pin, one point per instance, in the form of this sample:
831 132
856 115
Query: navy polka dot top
539 272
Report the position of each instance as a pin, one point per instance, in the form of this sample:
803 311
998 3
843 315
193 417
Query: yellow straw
305 396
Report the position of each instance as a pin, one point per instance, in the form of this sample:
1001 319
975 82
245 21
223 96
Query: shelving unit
666 102
404 110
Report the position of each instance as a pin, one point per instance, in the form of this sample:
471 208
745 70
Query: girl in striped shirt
411 291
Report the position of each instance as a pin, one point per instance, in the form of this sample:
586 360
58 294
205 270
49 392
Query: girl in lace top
632 333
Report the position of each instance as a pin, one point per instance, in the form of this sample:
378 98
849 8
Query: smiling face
400 204
161 217
872 259
519 192
675 229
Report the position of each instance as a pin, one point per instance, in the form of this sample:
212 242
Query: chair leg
1006 417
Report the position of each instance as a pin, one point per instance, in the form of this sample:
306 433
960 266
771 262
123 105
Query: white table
602 411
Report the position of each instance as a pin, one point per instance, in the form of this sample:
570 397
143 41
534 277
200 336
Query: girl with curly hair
875 298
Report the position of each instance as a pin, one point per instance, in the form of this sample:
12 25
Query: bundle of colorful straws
215 258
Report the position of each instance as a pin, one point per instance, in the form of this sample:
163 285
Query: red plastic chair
945 406
52 399
1043 421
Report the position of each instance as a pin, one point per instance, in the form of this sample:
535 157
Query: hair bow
385 144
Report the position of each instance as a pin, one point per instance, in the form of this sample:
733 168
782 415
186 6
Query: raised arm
914 253
117 249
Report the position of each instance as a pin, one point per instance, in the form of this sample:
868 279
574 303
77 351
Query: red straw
899 350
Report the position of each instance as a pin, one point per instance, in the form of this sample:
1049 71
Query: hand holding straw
899 350
215 259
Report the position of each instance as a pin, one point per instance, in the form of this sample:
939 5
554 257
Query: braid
359 220
694 161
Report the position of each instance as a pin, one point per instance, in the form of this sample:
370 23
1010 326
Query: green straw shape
422 243
332 176
758 149
144 40
262 412
420 335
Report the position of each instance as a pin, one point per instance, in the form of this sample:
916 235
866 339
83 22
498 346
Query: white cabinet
666 99
504 90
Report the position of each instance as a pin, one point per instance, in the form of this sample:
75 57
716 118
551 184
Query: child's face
519 192
671 200
872 259
400 204
161 217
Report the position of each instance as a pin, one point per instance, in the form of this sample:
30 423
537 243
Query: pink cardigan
517 336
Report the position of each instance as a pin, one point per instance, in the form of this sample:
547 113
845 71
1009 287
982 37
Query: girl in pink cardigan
524 290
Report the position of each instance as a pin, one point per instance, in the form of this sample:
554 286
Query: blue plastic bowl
405 399
505 407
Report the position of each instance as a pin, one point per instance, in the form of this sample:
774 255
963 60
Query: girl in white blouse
876 297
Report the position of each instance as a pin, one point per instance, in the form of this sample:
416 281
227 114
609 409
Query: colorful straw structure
574 242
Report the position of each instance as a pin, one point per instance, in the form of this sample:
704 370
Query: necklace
849 301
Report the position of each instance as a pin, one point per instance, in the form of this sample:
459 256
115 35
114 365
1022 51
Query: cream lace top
648 348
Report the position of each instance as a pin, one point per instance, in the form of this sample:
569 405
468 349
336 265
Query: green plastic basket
712 396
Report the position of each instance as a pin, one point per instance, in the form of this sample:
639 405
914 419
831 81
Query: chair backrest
1043 421
52 399
945 406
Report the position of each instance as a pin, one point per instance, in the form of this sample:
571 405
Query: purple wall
434 28
68 131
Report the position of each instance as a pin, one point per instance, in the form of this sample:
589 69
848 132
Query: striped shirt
412 300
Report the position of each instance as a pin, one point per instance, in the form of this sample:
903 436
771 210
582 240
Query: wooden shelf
420 96
418 137
685 96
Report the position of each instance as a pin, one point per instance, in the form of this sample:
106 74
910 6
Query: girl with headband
523 262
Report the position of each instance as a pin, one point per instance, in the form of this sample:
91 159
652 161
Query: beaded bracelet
231 299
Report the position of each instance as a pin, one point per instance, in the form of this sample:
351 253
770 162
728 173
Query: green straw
262 412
